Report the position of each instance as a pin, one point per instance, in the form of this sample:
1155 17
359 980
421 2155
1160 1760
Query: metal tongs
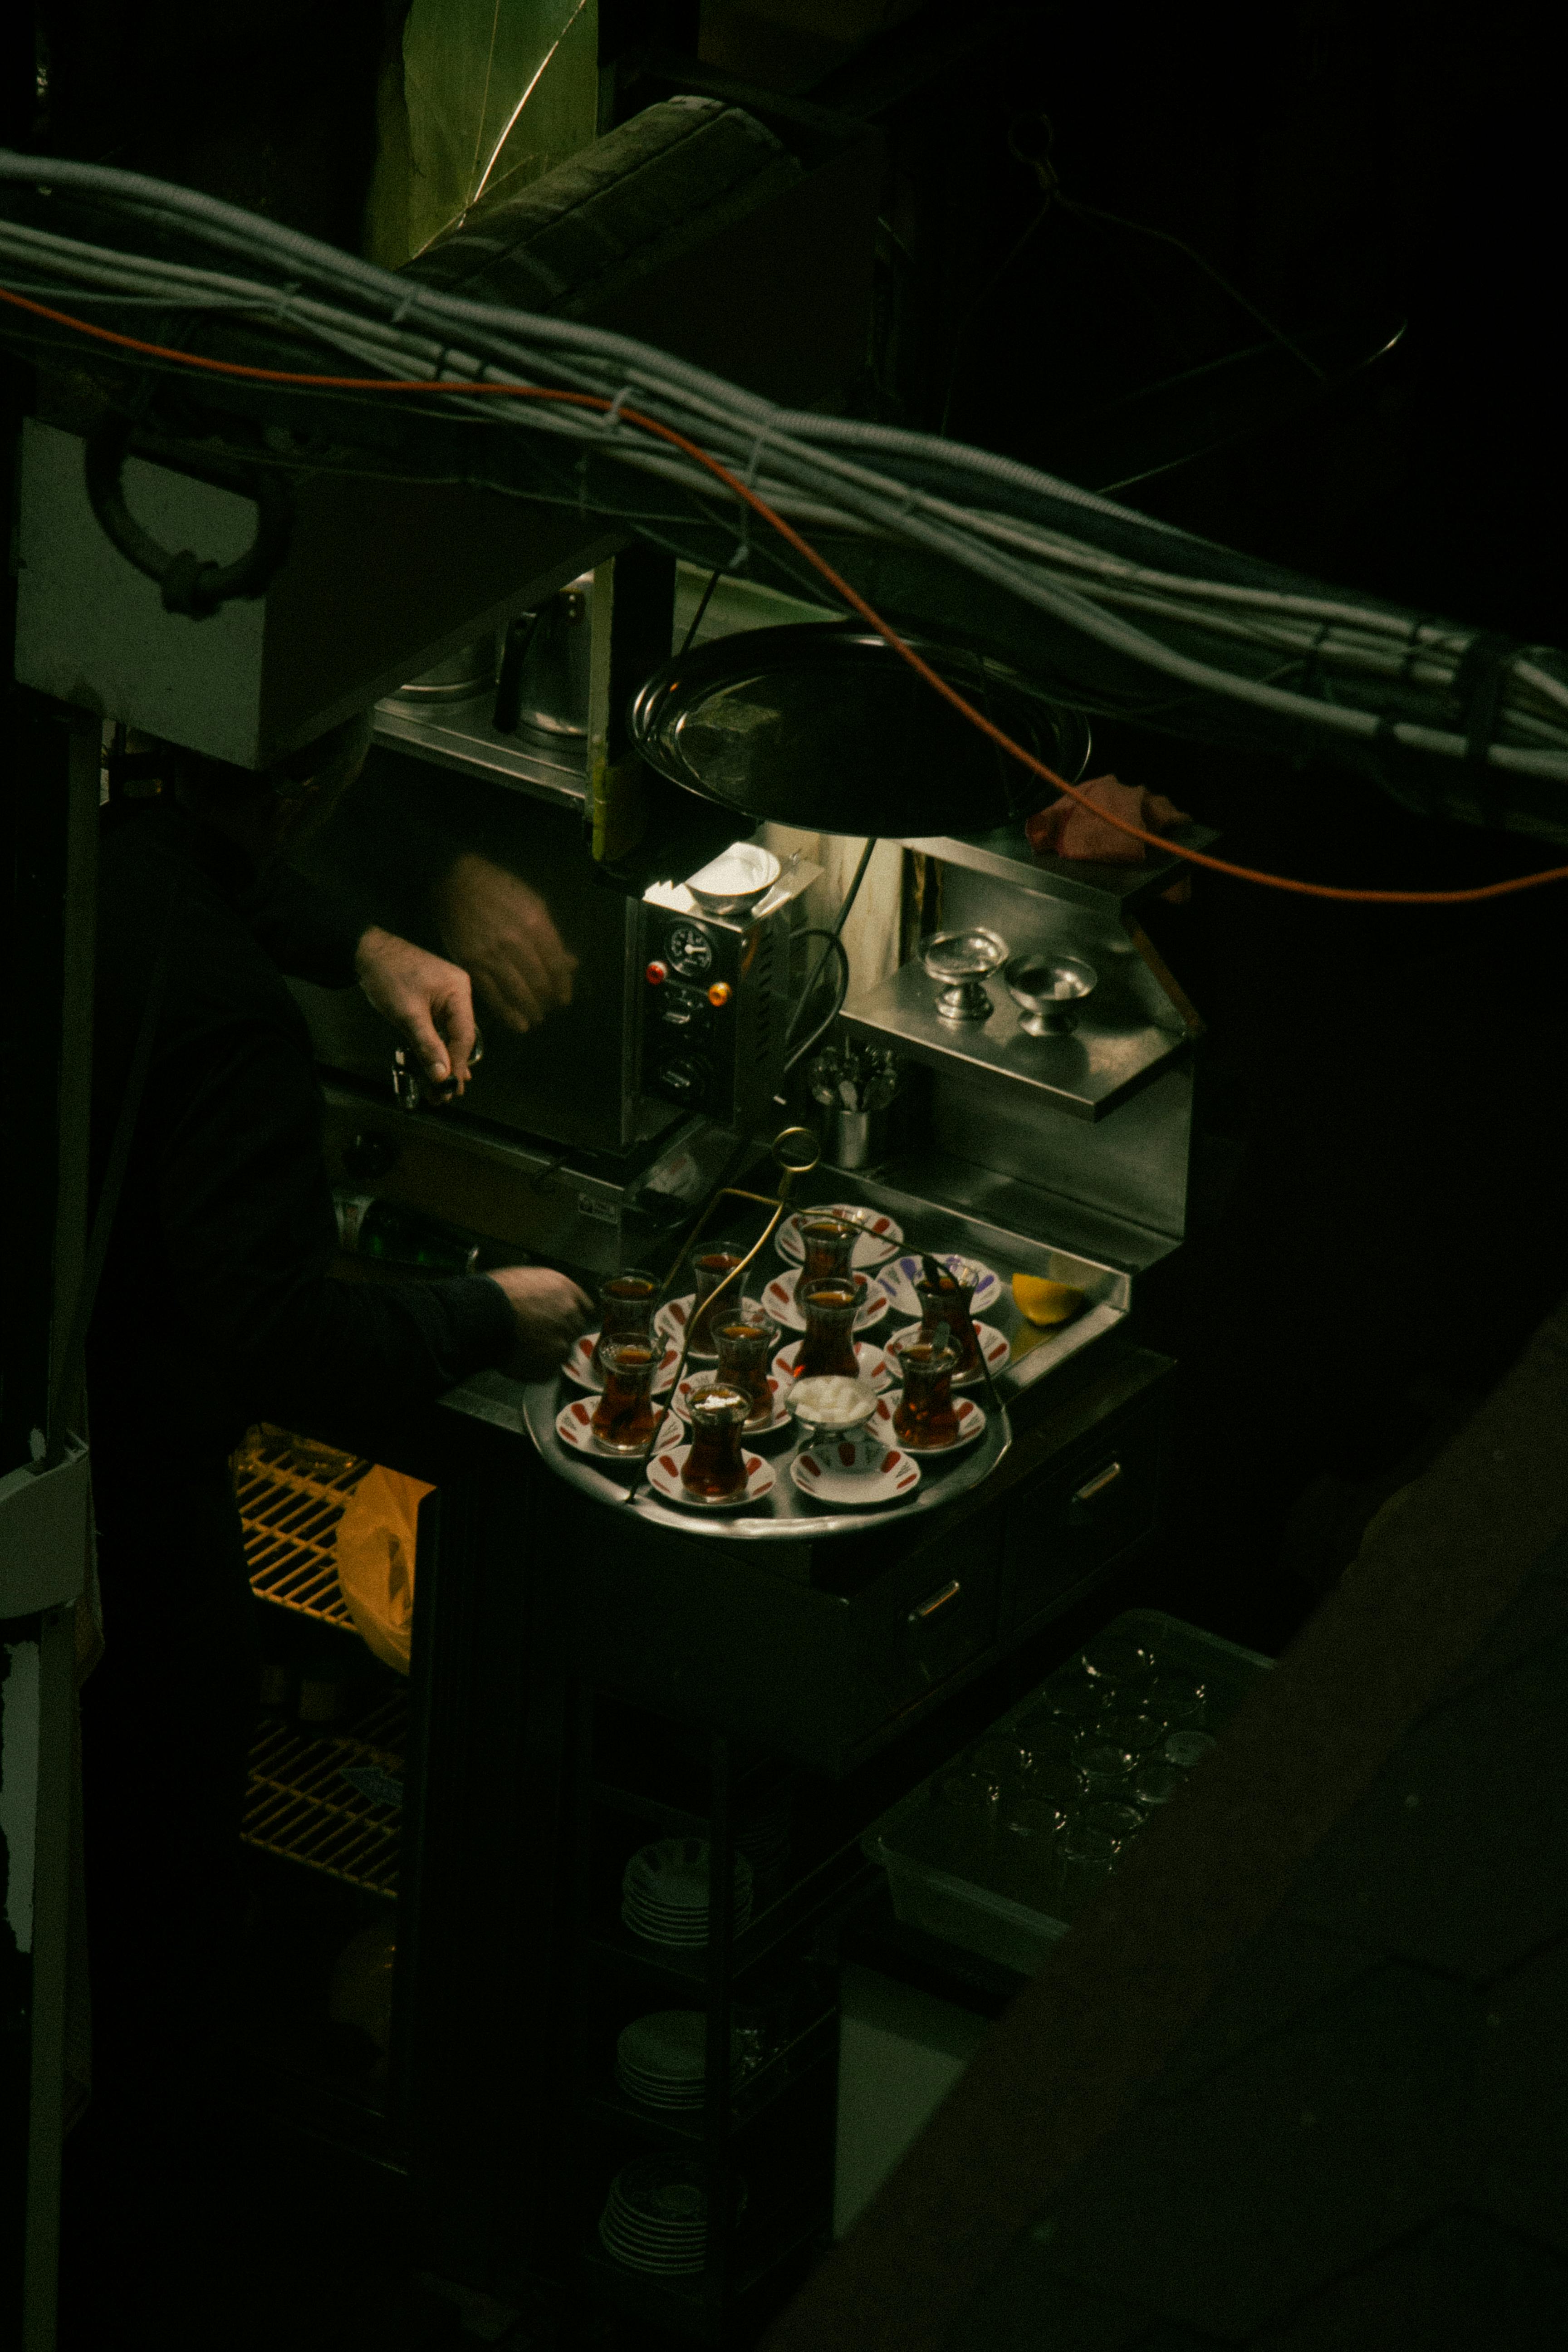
939 1279
795 1153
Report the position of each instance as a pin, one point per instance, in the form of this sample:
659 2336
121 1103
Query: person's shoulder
218 973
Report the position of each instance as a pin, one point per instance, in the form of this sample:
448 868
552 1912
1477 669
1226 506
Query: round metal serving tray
786 1515
822 725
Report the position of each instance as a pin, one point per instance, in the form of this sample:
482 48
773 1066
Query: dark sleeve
246 1211
307 933
382 851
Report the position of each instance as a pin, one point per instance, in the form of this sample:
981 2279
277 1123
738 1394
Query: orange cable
824 570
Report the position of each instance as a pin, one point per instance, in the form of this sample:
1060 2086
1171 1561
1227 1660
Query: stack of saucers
664 1893
656 2217
661 2060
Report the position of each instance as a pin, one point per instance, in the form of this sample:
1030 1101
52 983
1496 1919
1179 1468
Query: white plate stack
664 1893
661 2060
656 2217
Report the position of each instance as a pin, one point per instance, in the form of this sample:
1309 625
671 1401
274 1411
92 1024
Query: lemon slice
1046 1302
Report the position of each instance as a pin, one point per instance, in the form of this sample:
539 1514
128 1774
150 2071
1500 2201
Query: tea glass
744 1340
625 1307
828 1347
625 1302
970 1790
1002 1757
925 1414
709 1269
1057 1784
1034 1820
1106 1768
1175 1701
1157 1783
1189 1748
1049 1737
946 1306
626 1416
1094 1837
1122 1660
829 1247
1137 1732
714 1470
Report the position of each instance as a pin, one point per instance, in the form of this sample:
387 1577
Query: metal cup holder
1050 992
962 962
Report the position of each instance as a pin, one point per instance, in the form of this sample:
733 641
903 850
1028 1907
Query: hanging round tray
823 726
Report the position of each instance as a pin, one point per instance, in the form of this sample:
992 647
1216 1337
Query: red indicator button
720 992
656 972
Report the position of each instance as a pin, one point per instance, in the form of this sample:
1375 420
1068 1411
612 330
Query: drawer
1076 1518
936 1616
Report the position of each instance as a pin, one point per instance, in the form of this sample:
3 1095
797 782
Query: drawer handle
924 1610
1094 1490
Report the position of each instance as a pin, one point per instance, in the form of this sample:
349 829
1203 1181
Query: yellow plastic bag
375 1562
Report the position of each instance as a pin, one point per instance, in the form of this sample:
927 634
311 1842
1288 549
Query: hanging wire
835 947
713 581
833 940
558 401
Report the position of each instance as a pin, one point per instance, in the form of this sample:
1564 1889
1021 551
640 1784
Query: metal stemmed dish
1050 992
962 962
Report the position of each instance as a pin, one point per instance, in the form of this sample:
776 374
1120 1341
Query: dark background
1376 1219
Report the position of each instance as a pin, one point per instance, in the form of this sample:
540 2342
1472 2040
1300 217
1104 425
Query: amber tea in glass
830 1308
715 1467
626 1416
743 1342
711 1268
946 1308
925 1414
625 1303
829 1245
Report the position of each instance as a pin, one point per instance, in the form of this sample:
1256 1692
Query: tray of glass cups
999 1850
870 1439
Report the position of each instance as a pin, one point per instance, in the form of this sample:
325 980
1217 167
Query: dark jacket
215 1307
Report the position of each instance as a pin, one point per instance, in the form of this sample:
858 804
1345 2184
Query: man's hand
426 998
500 931
550 1312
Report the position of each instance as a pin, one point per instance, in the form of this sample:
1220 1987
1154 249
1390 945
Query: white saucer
779 1419
971 1421
898 1281
879 1236
573 1427
779 1300
857 1490
875 1366
581 1367
672 1317
995 1346
664 1477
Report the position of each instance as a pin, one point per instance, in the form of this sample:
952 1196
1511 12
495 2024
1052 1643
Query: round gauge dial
690 949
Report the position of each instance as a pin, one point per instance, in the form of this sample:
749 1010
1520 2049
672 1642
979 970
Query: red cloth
1067 830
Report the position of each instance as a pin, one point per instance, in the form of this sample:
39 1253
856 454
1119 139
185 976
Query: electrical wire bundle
1117 612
